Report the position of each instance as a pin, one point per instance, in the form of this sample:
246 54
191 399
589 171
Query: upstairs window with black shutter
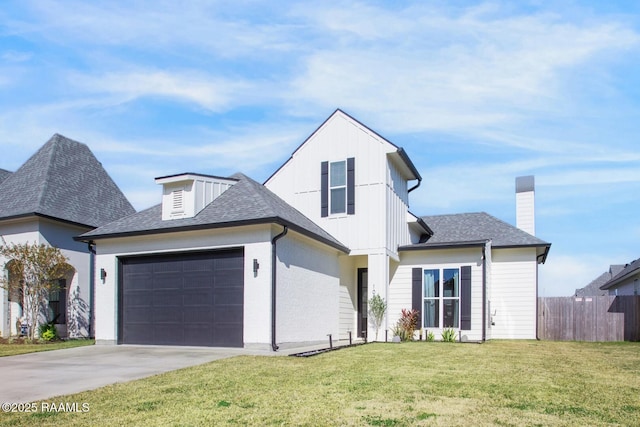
337 187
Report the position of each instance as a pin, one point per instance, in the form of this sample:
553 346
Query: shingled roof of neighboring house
472 229
63 180
4 174
628 271
593 288
246 202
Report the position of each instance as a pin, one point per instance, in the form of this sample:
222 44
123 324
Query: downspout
415 186
274 346
484 292
92 282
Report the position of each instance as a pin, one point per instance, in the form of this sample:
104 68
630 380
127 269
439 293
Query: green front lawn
497 383
8 348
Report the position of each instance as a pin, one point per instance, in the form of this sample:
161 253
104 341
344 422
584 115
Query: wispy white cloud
461 73
208 92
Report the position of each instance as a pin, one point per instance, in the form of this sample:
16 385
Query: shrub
406 324
449 335
431 336
48 332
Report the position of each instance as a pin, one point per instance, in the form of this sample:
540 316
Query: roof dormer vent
185 195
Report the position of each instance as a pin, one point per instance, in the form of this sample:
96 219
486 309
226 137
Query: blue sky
477 93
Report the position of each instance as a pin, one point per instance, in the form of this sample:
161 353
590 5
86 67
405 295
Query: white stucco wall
79 282
39 230
308 290
513 293
400 288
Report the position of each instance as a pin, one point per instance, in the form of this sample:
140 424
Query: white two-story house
226 261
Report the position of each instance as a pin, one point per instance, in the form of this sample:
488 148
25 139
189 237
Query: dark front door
182 299
363 292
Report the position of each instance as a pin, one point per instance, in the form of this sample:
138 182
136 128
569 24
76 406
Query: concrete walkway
43 375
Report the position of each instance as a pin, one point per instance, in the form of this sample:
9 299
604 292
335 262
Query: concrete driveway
39 376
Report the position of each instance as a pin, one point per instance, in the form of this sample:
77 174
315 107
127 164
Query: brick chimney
525 204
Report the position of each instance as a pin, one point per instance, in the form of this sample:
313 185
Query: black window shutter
351 186
324 189
416 293
465 298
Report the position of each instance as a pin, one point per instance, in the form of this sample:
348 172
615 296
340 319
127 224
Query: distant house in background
626 282
593 288
60 192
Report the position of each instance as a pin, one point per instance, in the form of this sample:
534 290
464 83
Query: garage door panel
168 280
138 298
226 296
199 279
227 314
139 281
199 315
164 297
228 277
183 299
139 315
204 264
167 315
195 298
224 336
141 332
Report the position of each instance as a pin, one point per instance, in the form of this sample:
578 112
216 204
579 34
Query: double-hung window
441 298
338 187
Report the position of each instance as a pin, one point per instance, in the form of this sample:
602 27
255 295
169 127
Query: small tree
377 309
34 272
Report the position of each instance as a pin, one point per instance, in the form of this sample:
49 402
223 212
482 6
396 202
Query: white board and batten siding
397 206
400 287
512 295
298 182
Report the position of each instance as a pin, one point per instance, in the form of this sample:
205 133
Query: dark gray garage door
182 299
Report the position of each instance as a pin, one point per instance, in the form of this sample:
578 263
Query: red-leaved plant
406 324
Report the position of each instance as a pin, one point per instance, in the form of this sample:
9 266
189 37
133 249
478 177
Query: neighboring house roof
593 288
4 174
63 180
628 271
246 202
400 153
474 229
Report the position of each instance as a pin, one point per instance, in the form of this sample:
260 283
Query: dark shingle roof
628 270
246 202
475 229
4 174
63 180
593 288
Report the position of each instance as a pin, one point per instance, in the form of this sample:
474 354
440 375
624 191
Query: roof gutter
403 155
274 261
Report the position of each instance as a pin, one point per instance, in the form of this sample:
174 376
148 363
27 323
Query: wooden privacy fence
605 318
